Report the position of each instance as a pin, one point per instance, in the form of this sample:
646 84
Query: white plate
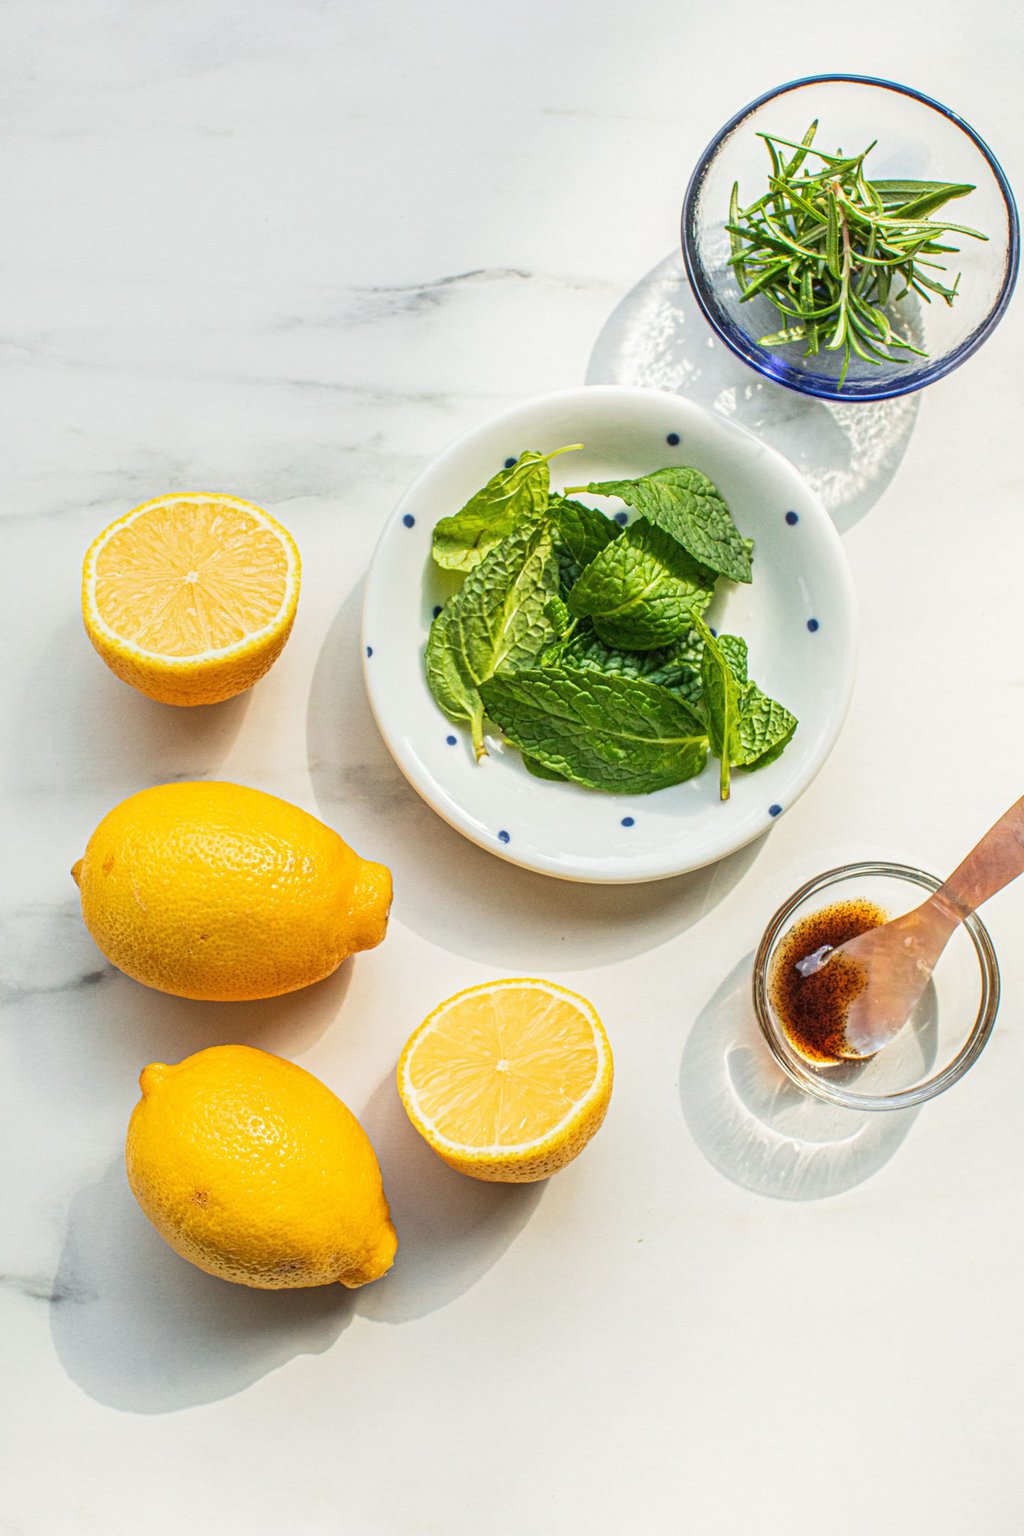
798 616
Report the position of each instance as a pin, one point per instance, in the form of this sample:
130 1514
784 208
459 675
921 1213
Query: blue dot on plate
791 518
622 518
437 610
503 837
409 520
673 439
509 463
812 625
775 810
369 650
627 821
451 740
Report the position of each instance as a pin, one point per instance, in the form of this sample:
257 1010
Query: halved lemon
190 598
508 1081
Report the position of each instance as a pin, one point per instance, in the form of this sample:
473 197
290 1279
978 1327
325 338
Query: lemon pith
218 892
191 597
253 1170
508 1081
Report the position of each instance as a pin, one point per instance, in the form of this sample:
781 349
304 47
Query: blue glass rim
771 365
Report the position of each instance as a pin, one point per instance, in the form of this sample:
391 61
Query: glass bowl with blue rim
916 140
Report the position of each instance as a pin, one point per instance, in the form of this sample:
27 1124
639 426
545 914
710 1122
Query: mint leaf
686 505
764 729
734 649
613 733
557 615
642 590
672 665
522 491
580 534
755 728
720 700
540 772
500 618
449 678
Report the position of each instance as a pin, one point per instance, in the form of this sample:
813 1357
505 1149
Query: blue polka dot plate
798 617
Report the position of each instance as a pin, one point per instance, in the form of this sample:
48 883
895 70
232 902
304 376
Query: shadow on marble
142 1330
760 1130
122 740
451 1228
78 1026
657 337
483 908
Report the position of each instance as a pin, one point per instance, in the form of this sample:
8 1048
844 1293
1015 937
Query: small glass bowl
918 139
947 1031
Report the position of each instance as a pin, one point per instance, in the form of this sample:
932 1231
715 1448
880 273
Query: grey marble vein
43 1288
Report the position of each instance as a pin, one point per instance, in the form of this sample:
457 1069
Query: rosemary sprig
833 251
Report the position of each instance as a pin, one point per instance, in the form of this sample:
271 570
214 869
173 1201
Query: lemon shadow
286 1025
459 897
757 1127
657 338
140 1329
123 741
451 1229
81 1025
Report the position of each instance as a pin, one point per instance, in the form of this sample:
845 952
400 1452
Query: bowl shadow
657 338
489 909
756 1126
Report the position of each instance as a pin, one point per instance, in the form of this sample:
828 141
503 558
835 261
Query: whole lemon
218 892
252 1169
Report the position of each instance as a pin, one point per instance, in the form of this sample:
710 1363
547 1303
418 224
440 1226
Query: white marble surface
288 250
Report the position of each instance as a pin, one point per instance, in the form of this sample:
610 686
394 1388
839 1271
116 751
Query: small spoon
898 957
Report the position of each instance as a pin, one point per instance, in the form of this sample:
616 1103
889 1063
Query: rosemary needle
833 250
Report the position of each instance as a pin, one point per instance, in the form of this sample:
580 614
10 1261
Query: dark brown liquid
812 1009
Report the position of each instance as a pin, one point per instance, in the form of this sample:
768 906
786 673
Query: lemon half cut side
191 597
508 1081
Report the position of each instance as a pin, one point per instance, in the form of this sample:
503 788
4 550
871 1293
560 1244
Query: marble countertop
289 251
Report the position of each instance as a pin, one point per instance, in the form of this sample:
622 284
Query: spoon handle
993 863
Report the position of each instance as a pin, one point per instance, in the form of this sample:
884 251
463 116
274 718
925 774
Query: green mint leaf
675 666
613 733
764 728
448 678
734 649
720 698
642 590
499 619
557 615
539 770
686 505
462 540
580 533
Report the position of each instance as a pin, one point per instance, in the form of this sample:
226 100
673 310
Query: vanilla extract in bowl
945 1030
812 1009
